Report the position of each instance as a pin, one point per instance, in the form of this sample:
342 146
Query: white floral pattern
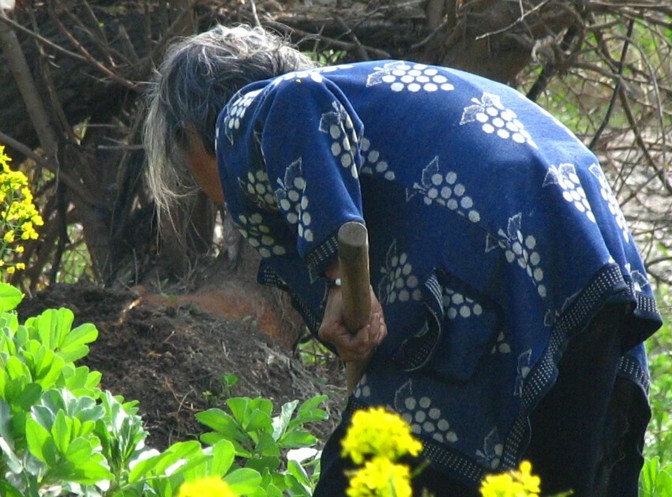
403 76
293 200
422 416
259 236
398 283
338 125
457 305
373 163
495 119
523 370
520 249
444 189
491 454
610 198
565 177
257 187
236 111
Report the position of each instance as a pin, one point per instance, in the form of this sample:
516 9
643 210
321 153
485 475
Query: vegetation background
72 73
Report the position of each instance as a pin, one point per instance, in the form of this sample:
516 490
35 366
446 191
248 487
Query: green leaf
223 454
310 411
61 431
40 442
52 326
7 490
243 481
267 446
222 423
281 422
10 297
297 439
73 346
298 472
157 465
46 366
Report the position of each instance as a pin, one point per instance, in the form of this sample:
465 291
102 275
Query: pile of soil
172 358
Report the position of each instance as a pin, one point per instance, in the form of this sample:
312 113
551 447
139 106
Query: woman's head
197 78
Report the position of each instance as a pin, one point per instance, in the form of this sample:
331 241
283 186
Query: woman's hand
351 346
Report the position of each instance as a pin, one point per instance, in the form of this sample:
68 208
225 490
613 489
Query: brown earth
170 353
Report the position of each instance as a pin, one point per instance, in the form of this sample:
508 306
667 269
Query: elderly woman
509 302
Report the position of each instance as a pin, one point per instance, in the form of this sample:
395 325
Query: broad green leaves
61 435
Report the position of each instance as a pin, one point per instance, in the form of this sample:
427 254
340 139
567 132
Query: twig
519 20
89 58
9 22
17 63
617 88
359 48
72 183
430 36
330 41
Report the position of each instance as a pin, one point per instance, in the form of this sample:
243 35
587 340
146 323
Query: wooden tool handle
353 256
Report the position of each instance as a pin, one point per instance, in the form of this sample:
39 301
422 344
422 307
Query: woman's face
204 168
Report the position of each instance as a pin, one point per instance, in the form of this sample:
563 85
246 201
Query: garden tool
353 256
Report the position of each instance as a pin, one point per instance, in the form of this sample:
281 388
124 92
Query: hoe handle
353 256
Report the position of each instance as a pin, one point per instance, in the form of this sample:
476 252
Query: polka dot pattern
457 305
257 187
236 111
294 202
493 449
610 198
444 189
259 236
520 249
424 418
413 78
496 120
398 284
374 165
565 177
338 125
501 346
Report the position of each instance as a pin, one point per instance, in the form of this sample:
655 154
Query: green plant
269 443
227 382
656 479
60 434
656 476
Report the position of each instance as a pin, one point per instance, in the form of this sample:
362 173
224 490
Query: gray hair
197 78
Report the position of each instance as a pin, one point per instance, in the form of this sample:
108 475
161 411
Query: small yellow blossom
380 477
211 486
515 483
18 215
377 432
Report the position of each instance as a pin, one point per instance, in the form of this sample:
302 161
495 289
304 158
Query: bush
61 434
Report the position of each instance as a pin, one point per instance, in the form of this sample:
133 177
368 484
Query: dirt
170 355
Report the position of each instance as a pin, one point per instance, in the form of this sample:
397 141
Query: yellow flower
377 432
380 477
210 486
18 215
515 483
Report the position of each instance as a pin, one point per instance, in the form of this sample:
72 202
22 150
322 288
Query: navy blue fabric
494 238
